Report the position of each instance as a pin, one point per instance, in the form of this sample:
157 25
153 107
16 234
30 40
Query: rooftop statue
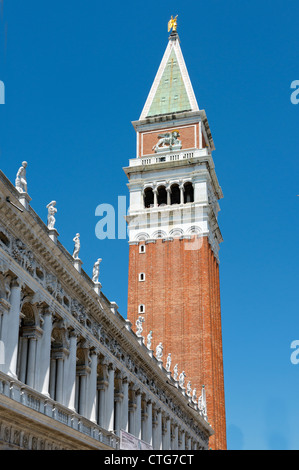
139 322
149 340
51 215
182 379
175 372
172 23
21 182
96 271
76 240
159 351
168 363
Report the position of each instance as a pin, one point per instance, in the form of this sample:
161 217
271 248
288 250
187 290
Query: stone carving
149 340
168 362
96 271
139 322
175 372
51 215
182 379
194 395
168 141
189 390
159 351
21 181
202 403
76 241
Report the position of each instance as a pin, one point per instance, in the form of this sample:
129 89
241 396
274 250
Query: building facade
74 374
174 234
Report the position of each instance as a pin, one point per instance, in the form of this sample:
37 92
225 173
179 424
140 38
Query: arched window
141 308
141 277
148 198
141 248
162 195
175 194
188 192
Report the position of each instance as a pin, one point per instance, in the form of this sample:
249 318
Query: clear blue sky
76 75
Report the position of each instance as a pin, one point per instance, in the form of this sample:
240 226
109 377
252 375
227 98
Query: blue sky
77 73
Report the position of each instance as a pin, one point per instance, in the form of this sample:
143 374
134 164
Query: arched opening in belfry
162 195
148 198
188 192
175 194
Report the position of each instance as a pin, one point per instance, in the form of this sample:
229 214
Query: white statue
21 182
51 214
168 362
96 271
149 340
76 240
202 403
139 322
175 372
182 379
189 390
194 395
159 351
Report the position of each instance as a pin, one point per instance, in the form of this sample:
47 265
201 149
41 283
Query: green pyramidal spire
172 90
171 95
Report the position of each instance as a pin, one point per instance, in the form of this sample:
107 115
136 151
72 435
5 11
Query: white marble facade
69 362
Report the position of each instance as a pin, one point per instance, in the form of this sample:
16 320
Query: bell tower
174 235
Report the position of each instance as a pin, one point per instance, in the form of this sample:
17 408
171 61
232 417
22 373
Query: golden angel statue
172 23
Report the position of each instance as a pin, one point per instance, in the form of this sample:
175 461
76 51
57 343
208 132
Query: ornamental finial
172 23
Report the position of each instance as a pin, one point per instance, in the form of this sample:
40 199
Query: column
144 417
59 378
125 405
102 386
11 329
159 429
176 437
138 415
166 433
70 372
181 193
168 195
110 399
44 352
52 385
82 392
149 423
132 408
156 444
155 191
182 440
93 387
30 379
23 359
101 403
118 399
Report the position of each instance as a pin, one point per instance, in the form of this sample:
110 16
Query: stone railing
30 398
169 157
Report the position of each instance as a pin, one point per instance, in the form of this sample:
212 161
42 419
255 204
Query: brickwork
182 307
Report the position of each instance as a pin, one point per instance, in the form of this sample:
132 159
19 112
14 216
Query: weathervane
172 23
